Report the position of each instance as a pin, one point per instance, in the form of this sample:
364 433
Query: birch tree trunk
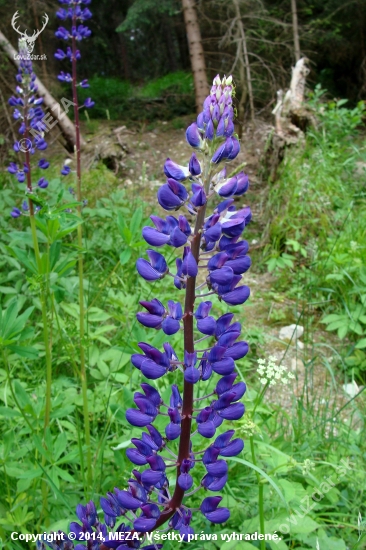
196 52
66 126
295 29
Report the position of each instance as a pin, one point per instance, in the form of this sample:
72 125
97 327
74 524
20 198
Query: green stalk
83 377
260 496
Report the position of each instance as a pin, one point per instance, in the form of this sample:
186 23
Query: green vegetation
167 97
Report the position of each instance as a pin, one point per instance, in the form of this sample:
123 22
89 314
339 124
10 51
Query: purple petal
243 184
233 412
217 261
189 266
177 238
151 477
207 429
214 483
218 468
155 307
229 188
218 516
233 227
192 375
174 170
128 501
148 320
233 449
234 149
193 136
224 367
224 275
237 296
194 165
167 199
137 418
154 237
240 265
172 431
146 271
237 351
170 326
152 370
209 504
207 326
185 481
136 458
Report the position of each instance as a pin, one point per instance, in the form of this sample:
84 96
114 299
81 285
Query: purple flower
88 103
210 510
42 163
65 170
155 269
194 166
172 195
15 213
174 170
193 136
42 183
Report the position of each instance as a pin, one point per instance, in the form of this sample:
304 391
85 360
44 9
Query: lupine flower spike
211 246
28 111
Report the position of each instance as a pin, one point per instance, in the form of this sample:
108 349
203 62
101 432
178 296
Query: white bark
295 29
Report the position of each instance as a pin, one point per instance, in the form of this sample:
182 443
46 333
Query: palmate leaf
11 325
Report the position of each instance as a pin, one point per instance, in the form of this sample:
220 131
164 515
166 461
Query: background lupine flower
212 244
74 13
32 127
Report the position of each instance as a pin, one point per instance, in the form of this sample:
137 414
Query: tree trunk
66 126
295 29
246 58
196 52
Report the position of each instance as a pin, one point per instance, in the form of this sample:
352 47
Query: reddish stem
76 115
187 409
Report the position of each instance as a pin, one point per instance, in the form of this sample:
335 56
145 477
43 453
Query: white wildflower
270 373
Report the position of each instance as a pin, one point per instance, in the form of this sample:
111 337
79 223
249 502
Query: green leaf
342 331
97 314
361 344
136 221
22 397
25 351
263 474
125 256
7 290
7 412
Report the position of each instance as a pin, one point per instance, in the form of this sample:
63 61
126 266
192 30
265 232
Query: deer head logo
30 40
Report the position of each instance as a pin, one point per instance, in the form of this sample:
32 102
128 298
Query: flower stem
260 496
43 297
187 407
83 377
